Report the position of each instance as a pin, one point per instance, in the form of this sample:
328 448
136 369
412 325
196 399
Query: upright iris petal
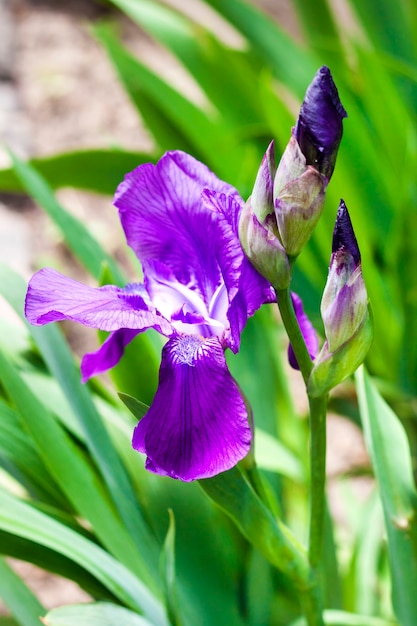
199 290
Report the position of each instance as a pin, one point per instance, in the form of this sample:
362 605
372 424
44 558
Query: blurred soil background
58 92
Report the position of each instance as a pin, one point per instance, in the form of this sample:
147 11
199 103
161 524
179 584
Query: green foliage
74 497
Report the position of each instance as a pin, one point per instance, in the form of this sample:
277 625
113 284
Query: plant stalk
312 605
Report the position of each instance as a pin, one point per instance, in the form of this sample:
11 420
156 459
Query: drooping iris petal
247 289
197 425
163 218
307 330
52 297
108 355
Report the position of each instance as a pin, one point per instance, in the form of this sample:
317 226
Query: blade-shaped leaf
293 65
78 238
234 495
343 618
168 572
58 357
21 519
93 170
390 454
74 475
98 614
22 603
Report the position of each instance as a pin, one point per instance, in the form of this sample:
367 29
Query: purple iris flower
199 290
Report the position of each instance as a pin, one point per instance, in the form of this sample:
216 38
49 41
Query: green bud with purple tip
345 311
257 227
308 163
286 203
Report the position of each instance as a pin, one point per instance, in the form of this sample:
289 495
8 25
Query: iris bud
308 163
319 126
257 227
345 312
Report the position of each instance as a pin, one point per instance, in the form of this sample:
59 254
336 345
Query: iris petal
197 425
163 218
108 355
247 289
52 297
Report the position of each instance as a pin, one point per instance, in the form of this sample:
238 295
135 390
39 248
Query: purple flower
319 126
199 290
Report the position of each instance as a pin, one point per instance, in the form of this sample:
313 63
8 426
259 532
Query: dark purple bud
343 235
319 126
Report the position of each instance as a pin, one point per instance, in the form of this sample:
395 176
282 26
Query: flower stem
294 333
312 606
318 408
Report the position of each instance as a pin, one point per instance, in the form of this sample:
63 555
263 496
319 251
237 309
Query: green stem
311 603
294 333
318 408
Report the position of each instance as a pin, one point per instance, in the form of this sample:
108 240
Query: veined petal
108 355
164 220
247 289
52 297
307 330
197 425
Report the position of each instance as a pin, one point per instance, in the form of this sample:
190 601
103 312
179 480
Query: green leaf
52 561
98 614
168 572
60 362
137 78
320 29
272 455
390 455
389 26
73 473
292 65
93 170
231 491
367 556
20 458
22 603
78 238
342 618
137 408
21 519
226 76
